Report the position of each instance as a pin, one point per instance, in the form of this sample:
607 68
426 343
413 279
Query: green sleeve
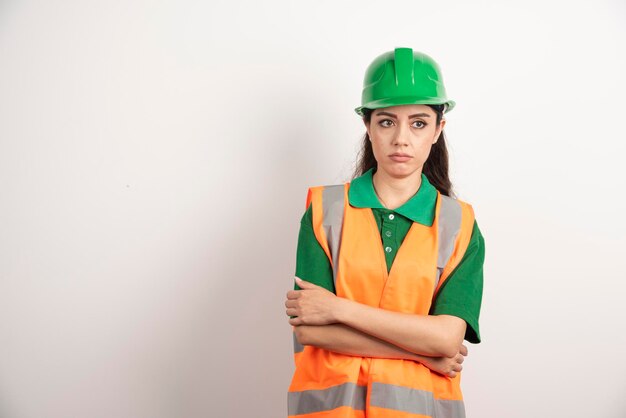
461 294
312 264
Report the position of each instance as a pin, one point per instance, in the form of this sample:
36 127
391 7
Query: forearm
343 339
428 335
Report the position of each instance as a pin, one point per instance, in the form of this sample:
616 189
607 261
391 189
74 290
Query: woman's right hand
447 366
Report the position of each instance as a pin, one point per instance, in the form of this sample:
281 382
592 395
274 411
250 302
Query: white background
154 162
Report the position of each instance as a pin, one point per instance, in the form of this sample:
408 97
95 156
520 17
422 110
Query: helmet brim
398 101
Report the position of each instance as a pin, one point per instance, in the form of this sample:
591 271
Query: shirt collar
419 208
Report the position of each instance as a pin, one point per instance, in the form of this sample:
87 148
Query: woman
389 266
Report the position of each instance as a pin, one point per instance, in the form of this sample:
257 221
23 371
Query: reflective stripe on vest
383 395
308 401
333 204
449 227
332 385
297 347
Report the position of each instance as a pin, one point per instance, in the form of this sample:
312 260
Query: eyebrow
411 116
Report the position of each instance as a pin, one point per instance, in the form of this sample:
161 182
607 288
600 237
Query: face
402 137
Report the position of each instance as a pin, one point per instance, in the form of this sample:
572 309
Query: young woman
389 269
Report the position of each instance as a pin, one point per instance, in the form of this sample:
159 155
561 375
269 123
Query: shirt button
388 249
388 233
391 216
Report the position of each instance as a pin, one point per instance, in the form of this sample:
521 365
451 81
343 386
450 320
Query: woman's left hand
312 305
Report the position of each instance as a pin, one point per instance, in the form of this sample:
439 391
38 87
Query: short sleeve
312 264
461 293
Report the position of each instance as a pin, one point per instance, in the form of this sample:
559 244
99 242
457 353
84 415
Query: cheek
375 142
380 134
425 145
375 150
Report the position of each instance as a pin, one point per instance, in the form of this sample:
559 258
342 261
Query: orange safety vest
327 384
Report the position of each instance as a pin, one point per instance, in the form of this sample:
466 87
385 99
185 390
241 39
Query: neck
395 191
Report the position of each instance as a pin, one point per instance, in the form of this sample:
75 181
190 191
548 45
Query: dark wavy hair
436 165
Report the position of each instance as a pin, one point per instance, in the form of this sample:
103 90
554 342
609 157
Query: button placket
388 227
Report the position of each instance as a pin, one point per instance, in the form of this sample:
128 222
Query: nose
402 135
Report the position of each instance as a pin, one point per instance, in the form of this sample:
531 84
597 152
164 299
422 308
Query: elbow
451 343
302 334
453 333
449 348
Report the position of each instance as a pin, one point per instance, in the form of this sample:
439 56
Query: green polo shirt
461 293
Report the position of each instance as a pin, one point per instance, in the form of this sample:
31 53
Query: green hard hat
400 77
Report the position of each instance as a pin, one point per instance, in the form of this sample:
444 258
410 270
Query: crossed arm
346 326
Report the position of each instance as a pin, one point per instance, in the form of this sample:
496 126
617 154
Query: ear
439 129
367 128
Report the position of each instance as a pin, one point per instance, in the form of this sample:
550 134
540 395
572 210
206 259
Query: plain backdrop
154 163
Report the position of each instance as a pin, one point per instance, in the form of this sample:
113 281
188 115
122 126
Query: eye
423 124
383 124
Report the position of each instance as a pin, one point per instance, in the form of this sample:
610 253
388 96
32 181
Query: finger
293 294
452 373
463 349
292 312
295 321
460 359
291 303
304 284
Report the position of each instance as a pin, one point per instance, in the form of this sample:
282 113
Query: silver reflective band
414 401
449 227
383 395
297 347
317 400
332 205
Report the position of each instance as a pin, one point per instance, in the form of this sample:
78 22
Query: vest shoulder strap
455 224
328 212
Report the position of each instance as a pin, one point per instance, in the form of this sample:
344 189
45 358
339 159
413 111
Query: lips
400 157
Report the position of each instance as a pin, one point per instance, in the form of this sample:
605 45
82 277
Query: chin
400 170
